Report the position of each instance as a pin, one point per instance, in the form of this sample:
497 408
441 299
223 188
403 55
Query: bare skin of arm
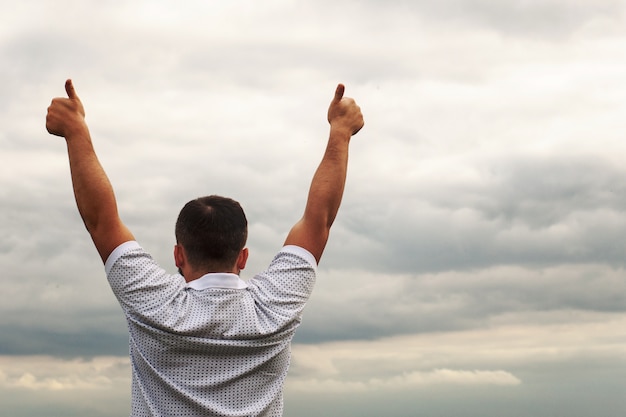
312 230
93 192
96 201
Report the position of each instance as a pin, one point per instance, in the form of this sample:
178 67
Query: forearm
92 189
327 186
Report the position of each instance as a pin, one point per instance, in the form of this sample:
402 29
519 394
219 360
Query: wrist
76 131
340 131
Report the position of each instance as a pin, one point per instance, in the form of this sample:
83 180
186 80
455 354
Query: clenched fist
66 116
344 113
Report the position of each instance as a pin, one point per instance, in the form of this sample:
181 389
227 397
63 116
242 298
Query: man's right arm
312 230
93 192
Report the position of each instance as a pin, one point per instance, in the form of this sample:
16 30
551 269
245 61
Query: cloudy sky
477 266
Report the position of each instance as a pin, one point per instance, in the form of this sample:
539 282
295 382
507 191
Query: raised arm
326 192
93 191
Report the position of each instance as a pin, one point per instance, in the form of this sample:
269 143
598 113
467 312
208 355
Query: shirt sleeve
283 289
118 252
141 286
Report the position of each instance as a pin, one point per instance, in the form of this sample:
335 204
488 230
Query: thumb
69 89
339 93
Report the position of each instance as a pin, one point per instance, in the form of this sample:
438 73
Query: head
212 232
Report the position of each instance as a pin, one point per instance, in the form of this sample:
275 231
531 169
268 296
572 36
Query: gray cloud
47 340
521 210
354 305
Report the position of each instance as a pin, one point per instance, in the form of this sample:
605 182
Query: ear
242 259
179 256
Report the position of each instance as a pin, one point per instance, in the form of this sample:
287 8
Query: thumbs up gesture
66 115
343 113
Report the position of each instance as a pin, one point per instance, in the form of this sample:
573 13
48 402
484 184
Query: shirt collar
218 280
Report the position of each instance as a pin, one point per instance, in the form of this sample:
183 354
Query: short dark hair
212 230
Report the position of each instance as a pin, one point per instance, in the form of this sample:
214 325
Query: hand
66 115
344 113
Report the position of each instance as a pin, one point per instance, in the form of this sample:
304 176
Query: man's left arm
327 186
93 192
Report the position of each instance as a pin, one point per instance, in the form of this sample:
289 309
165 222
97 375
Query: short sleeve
141 286
286 285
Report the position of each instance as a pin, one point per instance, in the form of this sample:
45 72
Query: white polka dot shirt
217 346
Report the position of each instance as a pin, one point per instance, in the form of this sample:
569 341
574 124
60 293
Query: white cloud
407 381
495 354
42 373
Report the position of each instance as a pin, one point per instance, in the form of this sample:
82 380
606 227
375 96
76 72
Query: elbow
90 225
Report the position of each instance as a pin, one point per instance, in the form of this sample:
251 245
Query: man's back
214 346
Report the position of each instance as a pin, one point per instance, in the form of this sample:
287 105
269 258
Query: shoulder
137 280
121 250
292 262
292 269
298 252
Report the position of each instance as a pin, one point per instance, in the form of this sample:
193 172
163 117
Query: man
204 342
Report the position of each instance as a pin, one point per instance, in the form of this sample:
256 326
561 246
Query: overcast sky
476 268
